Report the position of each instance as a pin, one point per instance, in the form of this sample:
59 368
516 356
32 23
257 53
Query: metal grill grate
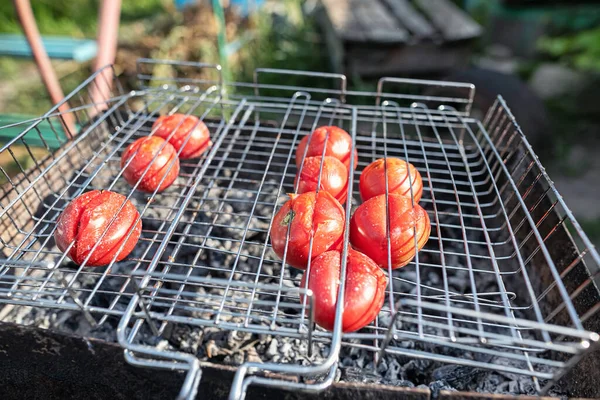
488 290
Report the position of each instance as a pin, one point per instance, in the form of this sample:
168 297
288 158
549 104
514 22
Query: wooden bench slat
410 18
80 50
377 23
451 21
364 20
343 20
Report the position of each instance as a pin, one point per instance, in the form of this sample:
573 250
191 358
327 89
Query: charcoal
489 382
456 375
417 364
285 349
385 319
235 339
382 367
417 370
253 356
393 372
437 386
235 359
402 383
526 386
355 374
224 216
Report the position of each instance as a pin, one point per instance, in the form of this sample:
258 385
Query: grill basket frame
502 208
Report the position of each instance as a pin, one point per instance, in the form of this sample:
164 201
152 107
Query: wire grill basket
508 280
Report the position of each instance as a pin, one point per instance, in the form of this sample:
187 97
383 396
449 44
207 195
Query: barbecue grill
508 281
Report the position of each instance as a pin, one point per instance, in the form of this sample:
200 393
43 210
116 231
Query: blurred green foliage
580 50
287 39
77 18
31 98
279 36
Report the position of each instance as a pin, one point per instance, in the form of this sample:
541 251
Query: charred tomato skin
337 143
307 215
86 218
334 177
177 128
154 152
368 229
372 179
364 292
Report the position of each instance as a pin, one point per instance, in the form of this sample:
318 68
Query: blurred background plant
76 18
21 89
579 50
281 36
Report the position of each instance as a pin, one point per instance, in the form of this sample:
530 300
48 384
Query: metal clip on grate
507 281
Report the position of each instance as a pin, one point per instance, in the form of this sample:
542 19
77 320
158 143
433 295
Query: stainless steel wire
487 283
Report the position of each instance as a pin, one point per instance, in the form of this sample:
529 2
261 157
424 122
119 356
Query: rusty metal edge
39 363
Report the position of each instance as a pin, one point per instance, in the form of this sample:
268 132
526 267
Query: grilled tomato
372 179
307 215
368 229
336 141
185 132
334 177
99 217
154 164
363 294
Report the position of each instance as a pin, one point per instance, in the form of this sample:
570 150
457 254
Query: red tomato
85 220
368 229
363 295
334 177
339 145
147 151
320 216
191 126
372 179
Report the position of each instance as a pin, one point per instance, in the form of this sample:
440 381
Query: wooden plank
343 21
377 23
52 138
57 47
447 395
426 58
364 21
451 21
410 18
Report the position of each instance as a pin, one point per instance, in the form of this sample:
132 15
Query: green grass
57 17
30 96
288 40
74 18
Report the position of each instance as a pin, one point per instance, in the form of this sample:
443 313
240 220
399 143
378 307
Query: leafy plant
580 50
75 18
285 40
